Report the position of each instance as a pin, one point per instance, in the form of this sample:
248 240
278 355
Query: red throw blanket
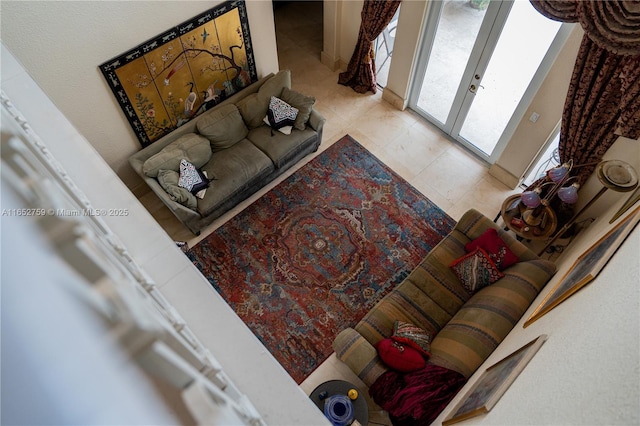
416 398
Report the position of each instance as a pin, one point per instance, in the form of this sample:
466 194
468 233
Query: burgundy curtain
361 72
603 101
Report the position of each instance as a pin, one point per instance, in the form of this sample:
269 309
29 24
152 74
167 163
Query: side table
341 387
514 213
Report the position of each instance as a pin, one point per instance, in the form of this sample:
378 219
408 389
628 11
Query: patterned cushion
191 178
491 242
254 106
413 336
476 270
280 115
399 356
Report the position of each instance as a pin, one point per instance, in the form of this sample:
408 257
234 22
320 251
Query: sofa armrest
360 355
186 215
473 224
316 121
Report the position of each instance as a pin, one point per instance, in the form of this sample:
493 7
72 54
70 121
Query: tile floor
444 172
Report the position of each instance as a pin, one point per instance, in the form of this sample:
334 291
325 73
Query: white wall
62 43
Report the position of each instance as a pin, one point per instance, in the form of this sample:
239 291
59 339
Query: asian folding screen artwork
170 79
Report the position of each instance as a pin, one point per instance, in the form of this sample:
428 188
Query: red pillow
497 250
399 356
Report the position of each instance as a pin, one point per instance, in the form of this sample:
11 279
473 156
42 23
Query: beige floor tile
453 174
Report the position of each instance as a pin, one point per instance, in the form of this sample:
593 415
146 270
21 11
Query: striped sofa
466 327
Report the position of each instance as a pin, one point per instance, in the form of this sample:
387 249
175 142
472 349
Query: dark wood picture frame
587 266
172 78
493 383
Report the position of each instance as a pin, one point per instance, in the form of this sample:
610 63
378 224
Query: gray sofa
234 147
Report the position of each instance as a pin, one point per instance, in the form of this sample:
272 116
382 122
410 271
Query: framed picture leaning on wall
493 383
587 266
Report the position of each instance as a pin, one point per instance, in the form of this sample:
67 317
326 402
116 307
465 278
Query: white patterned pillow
280 115
191 179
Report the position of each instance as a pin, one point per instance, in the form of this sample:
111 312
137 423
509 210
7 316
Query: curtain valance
613 25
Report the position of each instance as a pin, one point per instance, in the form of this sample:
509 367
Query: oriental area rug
315 253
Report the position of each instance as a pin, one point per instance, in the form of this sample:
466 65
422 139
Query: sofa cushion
280 115
191 147
235 169
191 179
304 105
488 316
223 127
414 336
476 270
279 147
168 180
400 356
495 247
253 107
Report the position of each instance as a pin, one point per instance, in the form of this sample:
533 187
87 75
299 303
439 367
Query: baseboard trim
394 99
504 176
329 61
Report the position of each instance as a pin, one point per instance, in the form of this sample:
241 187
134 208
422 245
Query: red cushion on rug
400 357
495 247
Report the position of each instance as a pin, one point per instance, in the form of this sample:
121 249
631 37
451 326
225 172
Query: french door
479 68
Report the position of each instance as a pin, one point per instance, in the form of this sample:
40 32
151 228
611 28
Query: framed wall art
633 198
177 75
587 266
493 383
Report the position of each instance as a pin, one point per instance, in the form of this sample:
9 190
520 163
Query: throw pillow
253 107
476 270
223 127
413 336
495 247
192 147
192 179
399 356
303 103
280 114
168 180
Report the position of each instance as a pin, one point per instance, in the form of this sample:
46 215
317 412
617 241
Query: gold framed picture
587 266
176 76
493 383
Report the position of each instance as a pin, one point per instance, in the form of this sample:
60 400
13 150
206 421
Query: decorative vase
339 410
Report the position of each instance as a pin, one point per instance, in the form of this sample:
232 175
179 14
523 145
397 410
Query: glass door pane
523 43
458 25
